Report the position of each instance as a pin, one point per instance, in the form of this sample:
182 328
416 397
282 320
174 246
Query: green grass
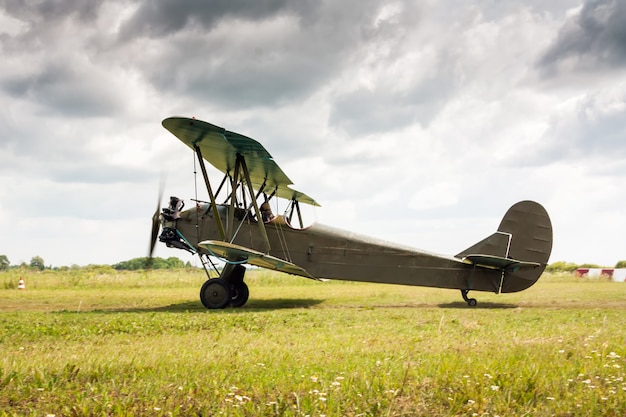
113 343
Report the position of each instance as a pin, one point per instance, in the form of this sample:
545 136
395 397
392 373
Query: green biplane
242 230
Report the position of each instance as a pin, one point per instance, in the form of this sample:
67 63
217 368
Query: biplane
237 228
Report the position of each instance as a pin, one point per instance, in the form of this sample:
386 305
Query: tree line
37 263
562 266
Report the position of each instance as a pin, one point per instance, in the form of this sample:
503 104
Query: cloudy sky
418 122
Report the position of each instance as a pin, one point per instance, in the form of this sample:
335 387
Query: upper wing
220 147
232 253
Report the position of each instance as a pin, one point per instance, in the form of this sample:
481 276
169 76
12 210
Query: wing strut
216 214
299 213
295 206
233 201
242 162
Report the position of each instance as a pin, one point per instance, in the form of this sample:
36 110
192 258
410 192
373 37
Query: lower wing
235 254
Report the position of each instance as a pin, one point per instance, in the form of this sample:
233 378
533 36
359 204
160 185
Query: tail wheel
215 294
239 294
470 301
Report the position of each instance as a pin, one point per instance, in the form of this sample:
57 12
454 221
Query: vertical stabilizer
524 234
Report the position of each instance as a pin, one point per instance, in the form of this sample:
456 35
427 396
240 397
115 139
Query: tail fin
525 236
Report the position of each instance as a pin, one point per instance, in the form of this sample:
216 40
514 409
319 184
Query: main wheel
215 294
239 294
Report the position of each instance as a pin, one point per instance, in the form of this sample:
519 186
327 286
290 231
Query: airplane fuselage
330 253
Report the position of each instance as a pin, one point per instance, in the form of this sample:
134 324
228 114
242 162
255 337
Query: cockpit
174 232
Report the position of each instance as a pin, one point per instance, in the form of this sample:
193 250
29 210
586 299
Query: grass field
78 344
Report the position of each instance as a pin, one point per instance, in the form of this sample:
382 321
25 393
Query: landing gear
227 290
215 294
470 301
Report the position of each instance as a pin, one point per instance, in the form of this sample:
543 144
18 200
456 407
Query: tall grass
141 344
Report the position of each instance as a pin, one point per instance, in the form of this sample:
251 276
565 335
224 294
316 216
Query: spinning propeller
156 224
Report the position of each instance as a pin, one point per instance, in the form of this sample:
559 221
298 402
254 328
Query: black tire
472 302
215 294
239 294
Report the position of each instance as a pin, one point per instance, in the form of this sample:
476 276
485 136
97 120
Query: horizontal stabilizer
235 254
497 262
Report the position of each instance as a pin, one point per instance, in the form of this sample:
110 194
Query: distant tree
37 262
621 264
131 265
561 266
144 263
4 263
590 266
173 262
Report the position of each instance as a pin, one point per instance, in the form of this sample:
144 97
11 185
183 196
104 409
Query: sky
418 122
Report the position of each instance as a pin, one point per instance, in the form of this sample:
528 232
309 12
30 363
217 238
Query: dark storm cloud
51 62
239 79
248 54
593 39
163 17
63 89
386 108
47 11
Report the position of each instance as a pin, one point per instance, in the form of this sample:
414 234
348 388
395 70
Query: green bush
561 266
145 263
